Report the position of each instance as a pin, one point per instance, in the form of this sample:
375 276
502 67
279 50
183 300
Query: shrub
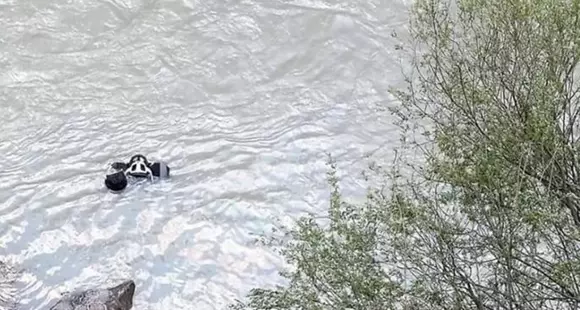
491 220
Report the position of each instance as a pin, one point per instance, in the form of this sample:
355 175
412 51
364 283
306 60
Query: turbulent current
241 98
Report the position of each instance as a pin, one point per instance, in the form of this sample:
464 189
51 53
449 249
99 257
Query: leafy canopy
491 220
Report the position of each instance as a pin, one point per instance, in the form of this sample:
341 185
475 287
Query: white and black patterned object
119 297
137 167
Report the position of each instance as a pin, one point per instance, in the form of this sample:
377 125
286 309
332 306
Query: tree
491 220
335 267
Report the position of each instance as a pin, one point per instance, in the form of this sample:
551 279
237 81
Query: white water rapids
241 98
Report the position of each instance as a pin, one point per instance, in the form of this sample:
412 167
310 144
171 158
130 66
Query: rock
119 297
8 275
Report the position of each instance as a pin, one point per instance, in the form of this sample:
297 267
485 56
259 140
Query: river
241 98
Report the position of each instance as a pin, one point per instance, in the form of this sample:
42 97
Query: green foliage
335 266
492 221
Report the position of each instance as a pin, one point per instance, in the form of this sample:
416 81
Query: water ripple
242 99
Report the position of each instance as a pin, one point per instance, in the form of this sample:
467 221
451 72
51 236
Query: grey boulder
8 276
119 297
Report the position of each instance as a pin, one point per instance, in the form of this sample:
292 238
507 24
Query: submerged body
137 167
119 297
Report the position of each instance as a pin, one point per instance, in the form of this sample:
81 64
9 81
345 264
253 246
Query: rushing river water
241 98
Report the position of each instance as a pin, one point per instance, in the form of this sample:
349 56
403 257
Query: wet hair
116 181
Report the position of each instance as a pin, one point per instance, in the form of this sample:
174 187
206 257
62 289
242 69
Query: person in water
137 167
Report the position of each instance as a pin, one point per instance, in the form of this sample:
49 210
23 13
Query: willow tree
492 220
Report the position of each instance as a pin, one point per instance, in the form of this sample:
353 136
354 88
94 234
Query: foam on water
241 98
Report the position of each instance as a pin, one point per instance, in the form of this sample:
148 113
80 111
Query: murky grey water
241 98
